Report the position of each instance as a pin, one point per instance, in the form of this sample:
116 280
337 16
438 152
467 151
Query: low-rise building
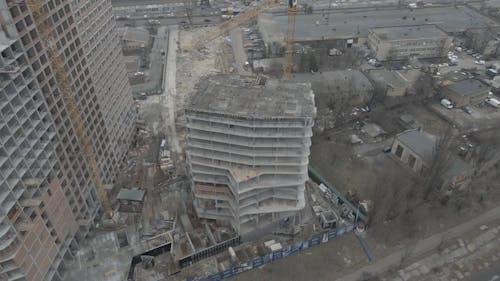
466 92
394 83
131 200
351 86
484 40
344 28
414 148
133 38
132 64
402 42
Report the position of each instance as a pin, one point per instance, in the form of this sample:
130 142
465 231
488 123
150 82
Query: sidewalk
423 246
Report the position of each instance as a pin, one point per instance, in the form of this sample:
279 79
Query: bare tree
303 62
313 63
440 162
424 85
379 93
340 99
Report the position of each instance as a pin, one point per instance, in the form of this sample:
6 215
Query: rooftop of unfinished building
244 97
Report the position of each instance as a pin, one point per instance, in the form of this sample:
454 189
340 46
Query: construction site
235 85
256 140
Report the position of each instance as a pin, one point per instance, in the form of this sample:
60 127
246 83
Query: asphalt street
491 274
197 21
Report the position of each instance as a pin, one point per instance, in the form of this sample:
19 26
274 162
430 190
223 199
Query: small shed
131 200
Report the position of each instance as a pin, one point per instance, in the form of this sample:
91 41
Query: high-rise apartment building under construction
248 149
48 199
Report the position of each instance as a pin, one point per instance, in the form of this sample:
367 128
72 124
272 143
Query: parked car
493 102
467 109
447 103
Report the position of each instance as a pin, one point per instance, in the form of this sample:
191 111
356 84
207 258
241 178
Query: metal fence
279 254
210 251
316 176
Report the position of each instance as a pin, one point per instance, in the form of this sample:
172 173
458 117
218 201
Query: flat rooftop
134 34
419 142
131 194
240 95
468 87
414 32
393 79
353 23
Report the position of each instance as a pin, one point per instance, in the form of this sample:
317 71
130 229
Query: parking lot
482 117
464 60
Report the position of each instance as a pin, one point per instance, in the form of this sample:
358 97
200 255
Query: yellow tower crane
65 89
250 14
288 65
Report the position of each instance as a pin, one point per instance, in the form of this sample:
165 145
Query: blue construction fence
279 254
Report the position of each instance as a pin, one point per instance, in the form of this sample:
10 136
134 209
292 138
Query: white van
493 102
447 103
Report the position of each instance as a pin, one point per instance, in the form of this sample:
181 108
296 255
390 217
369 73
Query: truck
334 52
230 11
447 103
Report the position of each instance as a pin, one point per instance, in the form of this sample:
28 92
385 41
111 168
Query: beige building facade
402 42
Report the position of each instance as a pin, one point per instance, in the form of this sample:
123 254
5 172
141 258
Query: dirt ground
400 214
400 217
323 262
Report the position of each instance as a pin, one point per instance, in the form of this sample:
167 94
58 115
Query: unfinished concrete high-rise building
248 148
48 201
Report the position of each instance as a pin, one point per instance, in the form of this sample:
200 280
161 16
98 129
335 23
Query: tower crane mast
288 66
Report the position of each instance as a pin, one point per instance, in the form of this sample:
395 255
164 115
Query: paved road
197 21
425 246
491 274
155 72
118 3
169 96
240 56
